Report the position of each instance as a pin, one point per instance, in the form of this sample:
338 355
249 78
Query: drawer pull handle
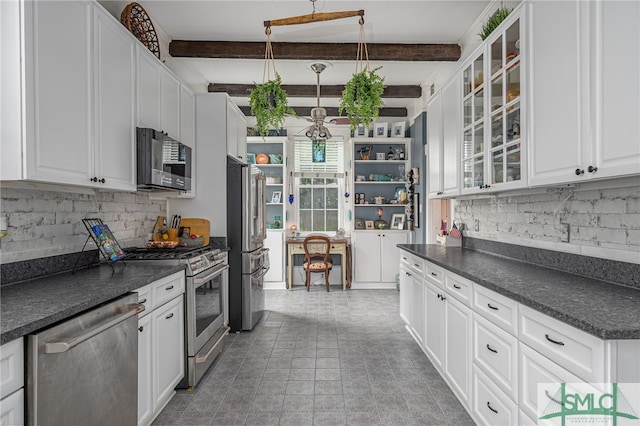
557 342
416 265
491 408
142 301
434 274
169 288
169 316
492 307
546 392
408 274
457 287
491 349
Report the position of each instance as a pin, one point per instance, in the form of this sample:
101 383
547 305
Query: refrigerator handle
262 206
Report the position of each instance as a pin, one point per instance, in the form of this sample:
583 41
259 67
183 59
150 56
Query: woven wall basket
136 20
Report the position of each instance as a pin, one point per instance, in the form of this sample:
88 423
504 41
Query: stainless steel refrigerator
246 232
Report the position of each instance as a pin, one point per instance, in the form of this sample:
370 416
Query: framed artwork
380 130
368 224
398 129
251 158
276 197
361 131
318 148
397 221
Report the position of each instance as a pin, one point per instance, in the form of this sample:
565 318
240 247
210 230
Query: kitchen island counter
603 309
31 305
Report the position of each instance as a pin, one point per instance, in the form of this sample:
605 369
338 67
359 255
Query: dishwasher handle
65 345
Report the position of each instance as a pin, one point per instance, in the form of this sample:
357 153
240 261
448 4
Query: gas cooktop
196 259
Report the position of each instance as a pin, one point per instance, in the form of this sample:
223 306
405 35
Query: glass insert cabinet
492 141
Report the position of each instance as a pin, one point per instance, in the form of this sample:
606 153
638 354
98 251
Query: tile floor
319 358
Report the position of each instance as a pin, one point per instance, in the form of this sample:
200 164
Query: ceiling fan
318 130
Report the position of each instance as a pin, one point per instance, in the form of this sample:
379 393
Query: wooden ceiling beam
309 91
411 52
333 111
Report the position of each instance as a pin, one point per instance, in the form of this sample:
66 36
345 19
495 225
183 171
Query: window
320 185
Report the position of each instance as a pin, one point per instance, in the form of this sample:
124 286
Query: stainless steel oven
206 299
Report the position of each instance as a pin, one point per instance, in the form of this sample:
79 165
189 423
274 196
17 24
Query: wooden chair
316 257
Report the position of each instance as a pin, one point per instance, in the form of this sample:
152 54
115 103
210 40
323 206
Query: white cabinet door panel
145 370
434 145
366 254
168 354
275 244
457 348
170 110
148 89
451 125
389 252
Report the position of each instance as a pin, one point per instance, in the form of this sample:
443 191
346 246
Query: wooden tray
197 226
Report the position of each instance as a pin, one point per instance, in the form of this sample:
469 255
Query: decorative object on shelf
397 221
361 129
340 233
251 158
368 224
380 130
391 155
365 152
398 130
381 178
359 223
380 224
379 200
277 222
401 194
276 197
273 158
380 156
262 159
137 21
493 21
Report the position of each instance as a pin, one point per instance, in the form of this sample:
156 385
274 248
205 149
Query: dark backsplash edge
613 271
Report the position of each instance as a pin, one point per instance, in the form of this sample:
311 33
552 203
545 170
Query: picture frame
276 197
380 130
251 158
368 224
397 221
361 130
398 129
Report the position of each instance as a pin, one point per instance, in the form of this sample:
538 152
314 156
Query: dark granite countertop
603 309
32 305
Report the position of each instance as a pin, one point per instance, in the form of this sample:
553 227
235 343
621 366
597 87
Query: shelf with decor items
492 141
269 154
379 180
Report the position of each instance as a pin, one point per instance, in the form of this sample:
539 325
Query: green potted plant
362 97
269 104
493 21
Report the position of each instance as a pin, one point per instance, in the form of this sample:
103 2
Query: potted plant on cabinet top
493 21
269 104
362 97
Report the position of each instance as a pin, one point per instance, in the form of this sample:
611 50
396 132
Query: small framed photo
276 197
251 158
397 221
368 224
361 131
380 130
398 129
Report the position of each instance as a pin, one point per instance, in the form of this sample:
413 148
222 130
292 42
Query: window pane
305 221
305 198
332 198
318 198
305 181
332 220
331 181
318 221
318 181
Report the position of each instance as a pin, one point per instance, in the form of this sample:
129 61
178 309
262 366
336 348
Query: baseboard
274 285
373 286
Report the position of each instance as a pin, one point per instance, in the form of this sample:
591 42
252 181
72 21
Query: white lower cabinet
412 302
491 406
275 244
12 383
405 294
161 360
371 251
434 327
457 347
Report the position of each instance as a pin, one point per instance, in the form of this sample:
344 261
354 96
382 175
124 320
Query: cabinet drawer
458 287
417 265
537 369
167 288
405 258
491 406
12 409
496 352
498 309
579 352
11 367
434 273
145 296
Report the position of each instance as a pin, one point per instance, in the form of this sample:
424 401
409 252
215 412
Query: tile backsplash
44 222
606 220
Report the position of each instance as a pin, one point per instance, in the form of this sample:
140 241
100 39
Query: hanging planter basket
362 95
268 101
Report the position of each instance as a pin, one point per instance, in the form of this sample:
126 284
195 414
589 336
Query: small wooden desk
339 246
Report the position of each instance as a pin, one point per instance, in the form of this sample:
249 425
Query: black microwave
163 162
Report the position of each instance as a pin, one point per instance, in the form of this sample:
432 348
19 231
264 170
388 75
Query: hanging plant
362 97
269 104
493 21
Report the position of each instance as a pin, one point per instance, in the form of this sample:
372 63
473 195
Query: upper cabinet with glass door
492 145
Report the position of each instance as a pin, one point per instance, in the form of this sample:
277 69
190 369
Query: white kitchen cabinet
406 295
585 133
375 255
443 133
275 243
12 383
83 141
490 406
457 347
187 117
417 318
149 77
236 126
170 103
160 344
434 327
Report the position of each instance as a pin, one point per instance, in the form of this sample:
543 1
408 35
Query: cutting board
160 221
198 226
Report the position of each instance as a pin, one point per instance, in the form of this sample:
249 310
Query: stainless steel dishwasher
85 371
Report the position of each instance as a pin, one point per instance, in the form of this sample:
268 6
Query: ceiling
385 22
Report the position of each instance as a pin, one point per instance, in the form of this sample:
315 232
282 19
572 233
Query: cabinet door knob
140 328
102 180
94 179
592 169
579 172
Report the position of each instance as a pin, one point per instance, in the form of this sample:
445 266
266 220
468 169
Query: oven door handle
197 280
